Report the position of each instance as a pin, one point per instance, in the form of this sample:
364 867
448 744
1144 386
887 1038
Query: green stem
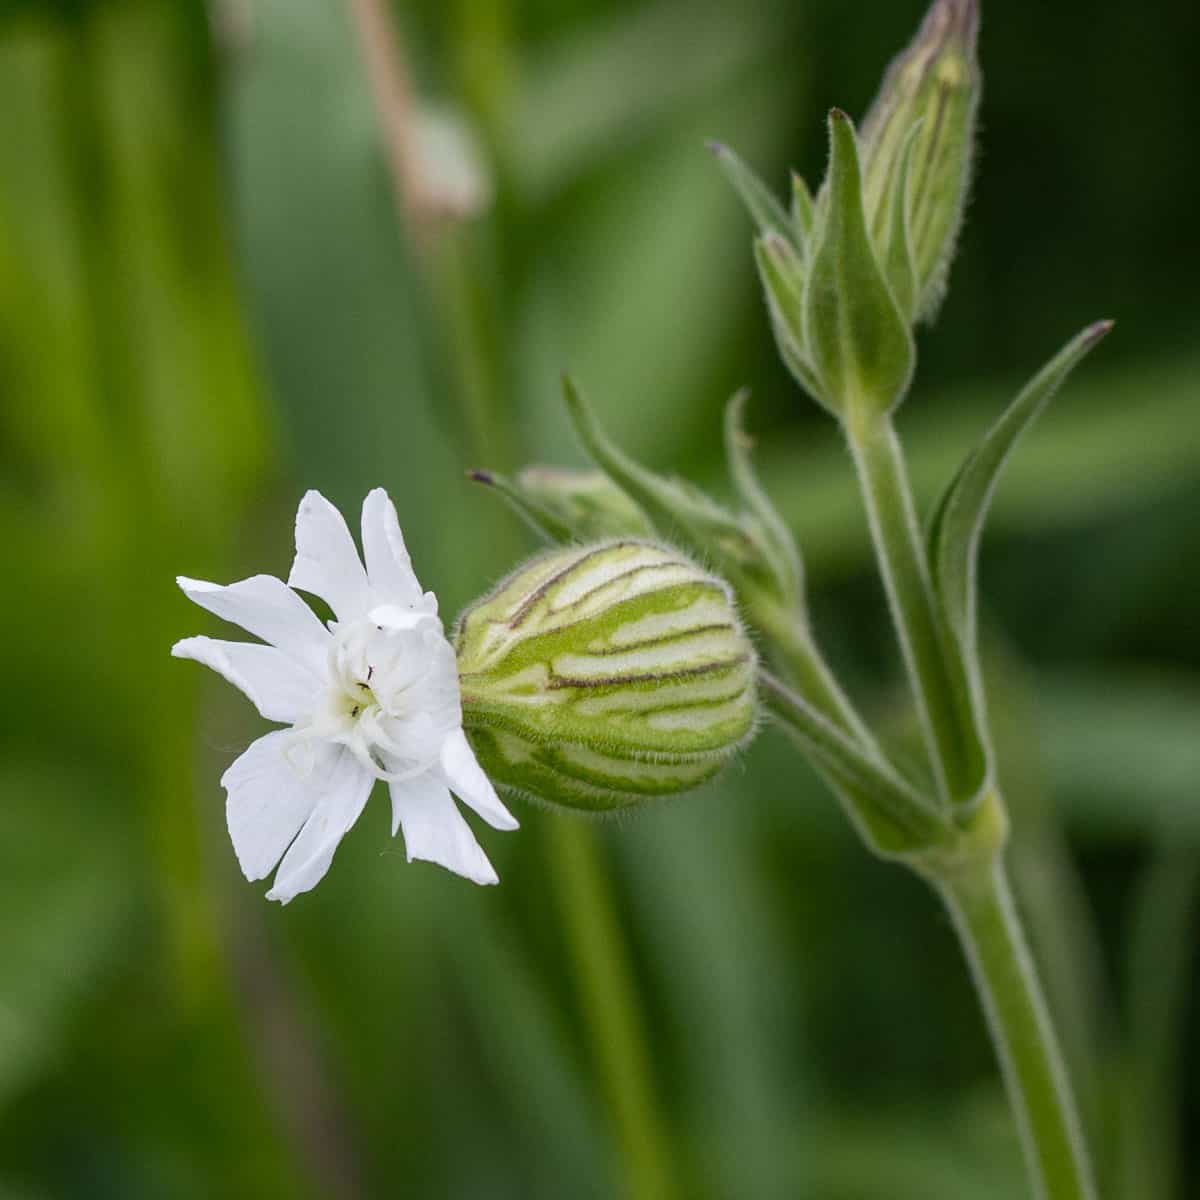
861 769
789 636
883 477
608 996
980 904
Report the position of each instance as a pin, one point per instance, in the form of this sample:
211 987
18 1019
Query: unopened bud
858 338
937 82
599 676
586 500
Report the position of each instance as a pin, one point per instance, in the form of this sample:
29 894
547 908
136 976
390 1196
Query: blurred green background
209 301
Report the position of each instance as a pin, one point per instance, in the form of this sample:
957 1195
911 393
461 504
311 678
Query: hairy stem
792 641
896 534
860 769
607 993
980 904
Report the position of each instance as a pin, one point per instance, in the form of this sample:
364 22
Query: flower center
355 698
371 704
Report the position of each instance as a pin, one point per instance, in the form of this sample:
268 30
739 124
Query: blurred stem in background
573 855
609 996
142 439
1164 919
1047 883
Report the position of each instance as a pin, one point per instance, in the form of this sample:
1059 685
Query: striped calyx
598 676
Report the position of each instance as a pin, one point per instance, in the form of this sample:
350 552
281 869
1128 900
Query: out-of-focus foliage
208 302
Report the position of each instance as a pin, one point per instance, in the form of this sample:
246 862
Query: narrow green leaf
777 536
959 519
799 366
782 275
765 210
546 524
673 507
735 545
803 209
859 341
891 814
586 501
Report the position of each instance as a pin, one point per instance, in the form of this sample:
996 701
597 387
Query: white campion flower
372 696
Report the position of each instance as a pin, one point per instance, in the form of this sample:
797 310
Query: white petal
269 799
279 686
470 784
343 785
434 829
401 619
269 609
388 565
439 693
327 562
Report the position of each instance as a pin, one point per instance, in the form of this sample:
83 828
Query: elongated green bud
565 504
937 82
858 339
599 676
588 501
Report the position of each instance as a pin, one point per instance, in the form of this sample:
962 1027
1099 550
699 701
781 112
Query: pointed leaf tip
803 208
545 522
958 522
760 202
571 395
767 528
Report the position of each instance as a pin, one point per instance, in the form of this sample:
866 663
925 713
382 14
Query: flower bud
782 273
598 676
586 500
752 549
858 339
935 81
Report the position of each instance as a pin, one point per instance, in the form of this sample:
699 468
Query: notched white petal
327 562
269 609
270 794
279 686
343 785
435 831
388 564
466 778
